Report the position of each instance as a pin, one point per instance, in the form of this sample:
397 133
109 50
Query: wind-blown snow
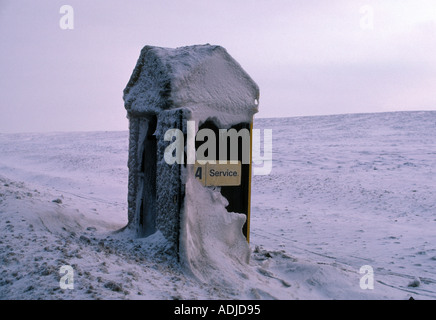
212 244
345 191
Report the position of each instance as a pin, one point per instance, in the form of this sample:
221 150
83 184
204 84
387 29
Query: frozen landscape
345 191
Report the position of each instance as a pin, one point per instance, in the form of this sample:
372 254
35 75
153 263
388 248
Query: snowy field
345 191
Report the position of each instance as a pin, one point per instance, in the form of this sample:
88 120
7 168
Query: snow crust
204 79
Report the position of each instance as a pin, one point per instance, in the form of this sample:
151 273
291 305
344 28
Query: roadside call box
194 99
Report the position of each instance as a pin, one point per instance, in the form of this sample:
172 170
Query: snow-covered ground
345 191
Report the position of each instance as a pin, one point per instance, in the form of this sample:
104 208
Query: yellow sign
218 174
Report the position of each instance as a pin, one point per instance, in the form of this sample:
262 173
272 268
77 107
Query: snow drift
345 191
212 245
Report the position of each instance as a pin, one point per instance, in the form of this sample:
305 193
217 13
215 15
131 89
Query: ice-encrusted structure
168 87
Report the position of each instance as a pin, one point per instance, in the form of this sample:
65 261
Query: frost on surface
203 78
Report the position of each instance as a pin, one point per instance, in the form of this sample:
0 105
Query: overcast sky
308 57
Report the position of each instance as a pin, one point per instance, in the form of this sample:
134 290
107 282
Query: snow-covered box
202 85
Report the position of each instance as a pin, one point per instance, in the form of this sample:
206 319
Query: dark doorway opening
237 196
147 214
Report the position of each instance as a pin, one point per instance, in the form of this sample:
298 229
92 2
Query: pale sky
308 57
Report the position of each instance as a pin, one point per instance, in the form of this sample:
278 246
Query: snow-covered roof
196 77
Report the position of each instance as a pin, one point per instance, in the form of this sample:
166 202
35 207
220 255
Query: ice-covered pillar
204 88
